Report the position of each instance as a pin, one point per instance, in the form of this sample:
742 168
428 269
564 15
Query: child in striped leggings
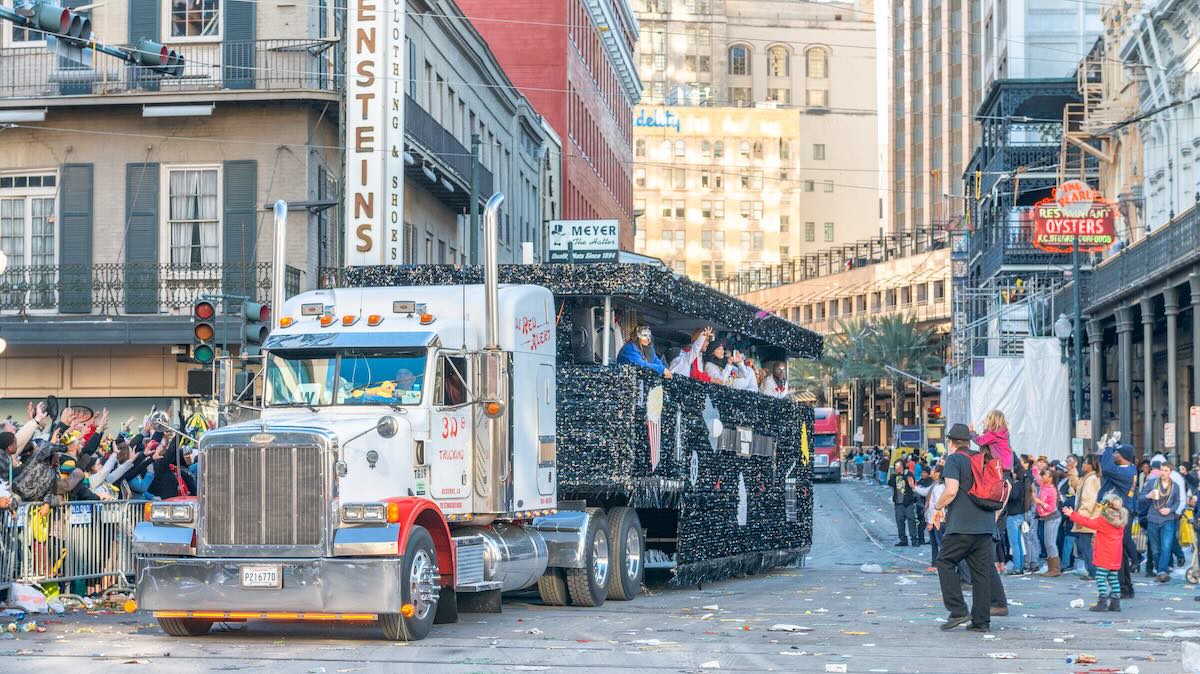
1109 526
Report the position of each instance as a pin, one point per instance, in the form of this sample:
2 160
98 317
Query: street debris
1077 603
1081 659
835 667
1191 657
871 568
1182 634
1002 656
711 607
905 581
533 630
785 627
711 664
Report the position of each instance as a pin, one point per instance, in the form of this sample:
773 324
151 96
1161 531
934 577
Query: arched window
739 60
777 61
640 148
818 62
679 148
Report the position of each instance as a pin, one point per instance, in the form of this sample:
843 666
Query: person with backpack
975 491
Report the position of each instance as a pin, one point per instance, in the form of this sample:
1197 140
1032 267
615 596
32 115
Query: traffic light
257 318
159 58
72 27
204 331
935 412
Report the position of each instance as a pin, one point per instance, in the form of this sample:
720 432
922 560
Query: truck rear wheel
553 588
589 586
185 627
419 590
628 547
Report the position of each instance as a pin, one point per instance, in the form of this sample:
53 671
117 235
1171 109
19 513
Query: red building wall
551 50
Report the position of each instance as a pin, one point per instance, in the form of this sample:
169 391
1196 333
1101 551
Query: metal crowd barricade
81 540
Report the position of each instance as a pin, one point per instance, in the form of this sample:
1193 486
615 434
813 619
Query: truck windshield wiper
298 404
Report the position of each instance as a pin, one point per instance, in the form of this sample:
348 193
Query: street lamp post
1077 336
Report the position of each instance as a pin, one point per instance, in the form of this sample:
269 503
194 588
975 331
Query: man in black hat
968 536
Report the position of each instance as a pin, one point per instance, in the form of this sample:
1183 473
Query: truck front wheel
589 586
185 627
628 544
419 590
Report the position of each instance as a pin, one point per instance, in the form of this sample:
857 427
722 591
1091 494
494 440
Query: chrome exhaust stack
491 269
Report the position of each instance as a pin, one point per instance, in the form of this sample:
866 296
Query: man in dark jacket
904 501
1117 473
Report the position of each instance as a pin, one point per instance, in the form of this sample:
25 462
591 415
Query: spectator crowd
55 456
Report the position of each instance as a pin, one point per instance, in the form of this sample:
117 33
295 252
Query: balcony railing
1162 253
835 259
34 72
129 289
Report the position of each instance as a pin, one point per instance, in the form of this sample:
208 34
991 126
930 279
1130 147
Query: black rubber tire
552 588
582 585
395 626
837 477
621 585
185 627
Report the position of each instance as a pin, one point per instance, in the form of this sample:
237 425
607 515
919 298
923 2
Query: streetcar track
870 536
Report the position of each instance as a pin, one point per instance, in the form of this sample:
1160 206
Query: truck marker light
146 510
349 320
374 319
408 611
286 322
426 319
493 409
130 606
326 321
393 512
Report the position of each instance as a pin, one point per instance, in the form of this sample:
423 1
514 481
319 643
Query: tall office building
932 58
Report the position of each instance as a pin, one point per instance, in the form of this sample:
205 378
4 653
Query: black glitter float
692 488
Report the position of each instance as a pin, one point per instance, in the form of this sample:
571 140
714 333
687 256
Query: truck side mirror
387 426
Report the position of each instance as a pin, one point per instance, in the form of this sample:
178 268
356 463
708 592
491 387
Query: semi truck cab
827 444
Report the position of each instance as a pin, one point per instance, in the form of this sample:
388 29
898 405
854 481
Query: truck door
450 434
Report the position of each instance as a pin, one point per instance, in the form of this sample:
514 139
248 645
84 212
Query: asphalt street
843 619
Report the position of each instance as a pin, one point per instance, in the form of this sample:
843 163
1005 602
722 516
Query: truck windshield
824 441
355 377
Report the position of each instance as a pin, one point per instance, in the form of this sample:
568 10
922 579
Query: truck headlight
172 513
370 513
835 463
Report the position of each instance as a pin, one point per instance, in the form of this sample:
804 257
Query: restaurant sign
1076 212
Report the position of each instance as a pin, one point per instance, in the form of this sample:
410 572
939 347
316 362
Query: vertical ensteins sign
375 133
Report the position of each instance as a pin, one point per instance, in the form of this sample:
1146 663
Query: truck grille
263 495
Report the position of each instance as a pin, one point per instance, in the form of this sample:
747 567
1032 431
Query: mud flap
447 608
487 601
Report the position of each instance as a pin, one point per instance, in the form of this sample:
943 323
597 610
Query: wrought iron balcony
113 290
276 65
432 147
1162 253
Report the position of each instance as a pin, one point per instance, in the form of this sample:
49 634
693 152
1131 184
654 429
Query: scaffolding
994 319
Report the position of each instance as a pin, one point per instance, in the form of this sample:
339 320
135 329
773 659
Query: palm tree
842 361
904 344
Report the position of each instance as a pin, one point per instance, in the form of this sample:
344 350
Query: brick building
574 60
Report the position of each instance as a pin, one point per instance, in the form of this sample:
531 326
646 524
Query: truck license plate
262 576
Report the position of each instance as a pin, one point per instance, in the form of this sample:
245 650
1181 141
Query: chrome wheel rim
633 553
423 588
600 559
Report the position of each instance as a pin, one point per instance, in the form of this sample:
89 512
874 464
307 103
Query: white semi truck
404 464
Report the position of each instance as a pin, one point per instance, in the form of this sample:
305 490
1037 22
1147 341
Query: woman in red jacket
1106 548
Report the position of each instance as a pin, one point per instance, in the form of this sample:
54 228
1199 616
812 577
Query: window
679 178
666 208
639 177
706 209
739 60
706 239
922 293
817 63
719 210
783 252
810 185
706 149
744 149
193 18
758 149
779 95
828 231
719 149
756 241
28 237
777 61
939 291
739 96
745 240
193 216
19 35
640 148
817 98
785 149
680 208
785 220
819 151
828 185
757 210
451 385
744 210
660 62
810 231
680 149
905 296
711 180
639 240
697 64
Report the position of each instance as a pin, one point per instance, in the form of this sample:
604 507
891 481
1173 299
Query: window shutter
143 20
239 44
239 235
141 238
143 23
75 239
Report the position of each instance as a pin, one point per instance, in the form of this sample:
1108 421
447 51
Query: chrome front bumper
322 584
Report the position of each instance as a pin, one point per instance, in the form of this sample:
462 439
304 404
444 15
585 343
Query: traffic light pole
474 237
72 33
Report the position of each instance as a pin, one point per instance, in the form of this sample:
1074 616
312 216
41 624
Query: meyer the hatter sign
1076 212
583 240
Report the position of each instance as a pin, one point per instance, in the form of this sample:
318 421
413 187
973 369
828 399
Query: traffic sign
1169 435
1083 429
1194 419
